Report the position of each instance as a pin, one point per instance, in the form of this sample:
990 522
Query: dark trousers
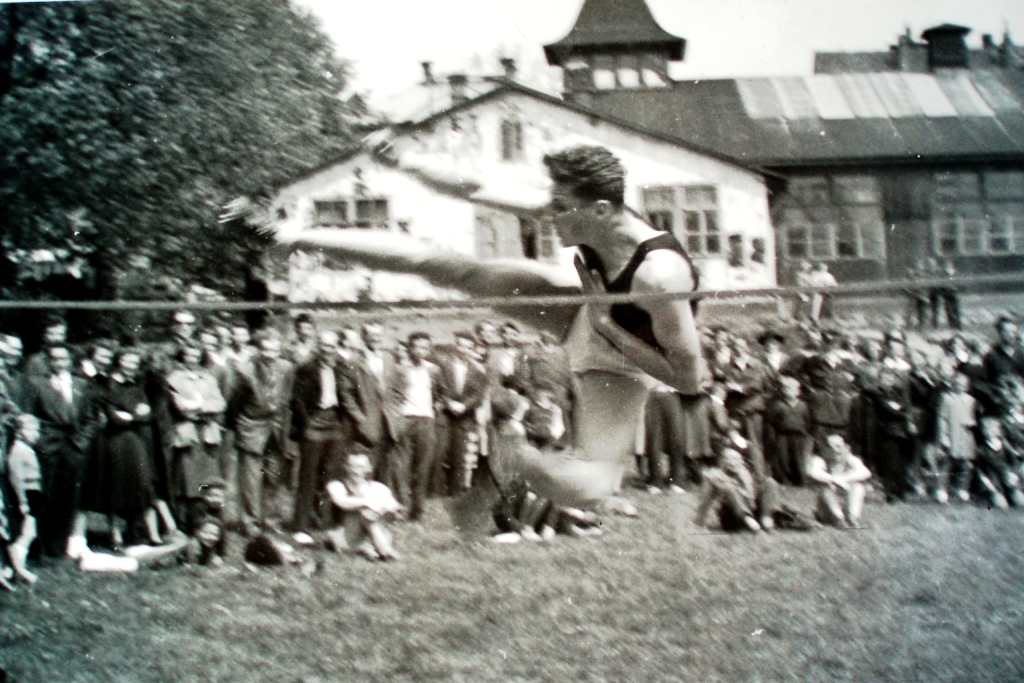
791 453
412 464
898 465
62 470
752 427
317 451
663 435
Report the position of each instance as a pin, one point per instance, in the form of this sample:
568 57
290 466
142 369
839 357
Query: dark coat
306 395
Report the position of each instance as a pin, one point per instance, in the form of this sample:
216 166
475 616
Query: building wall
978 207
501 143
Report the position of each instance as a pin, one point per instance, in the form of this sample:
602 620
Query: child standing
957 420
26 481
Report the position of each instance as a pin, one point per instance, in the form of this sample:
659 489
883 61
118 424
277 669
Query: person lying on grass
365 505
839 476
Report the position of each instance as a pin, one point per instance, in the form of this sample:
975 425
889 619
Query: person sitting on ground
994 471
729 489
26 483
840 477
366 505
209 545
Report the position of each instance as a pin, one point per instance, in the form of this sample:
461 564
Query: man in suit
317 425
259 405
369 425
416 395
462 391
63 404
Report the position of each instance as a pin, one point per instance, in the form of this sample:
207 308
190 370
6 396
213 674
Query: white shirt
419 395
375 363
328 388
62 383
460 369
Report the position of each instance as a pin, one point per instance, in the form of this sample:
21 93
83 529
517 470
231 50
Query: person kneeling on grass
839 476
366 505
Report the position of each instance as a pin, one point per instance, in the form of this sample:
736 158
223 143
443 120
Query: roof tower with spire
615 44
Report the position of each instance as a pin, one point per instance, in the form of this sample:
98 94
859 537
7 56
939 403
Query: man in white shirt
416 390
839 476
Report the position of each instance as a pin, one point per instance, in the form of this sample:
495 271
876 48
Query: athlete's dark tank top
630 317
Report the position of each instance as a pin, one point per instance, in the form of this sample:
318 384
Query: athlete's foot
621 506
676 489
530 534
767 523
18 555
5 585
752 524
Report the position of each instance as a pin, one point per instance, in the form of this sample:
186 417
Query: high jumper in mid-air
615 351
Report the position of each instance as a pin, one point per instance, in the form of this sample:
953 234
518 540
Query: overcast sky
387 39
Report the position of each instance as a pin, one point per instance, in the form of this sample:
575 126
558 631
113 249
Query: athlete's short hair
594 173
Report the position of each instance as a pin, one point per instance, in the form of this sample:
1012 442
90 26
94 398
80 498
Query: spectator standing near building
957 420
417 394
463 390
197 411
821 302
259 406
317 425
64 406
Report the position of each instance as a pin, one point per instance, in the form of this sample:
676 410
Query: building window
336 213
330 214
688 212
371 213
538 239
604 79
978 214
736 250
757 250
511 140
833 217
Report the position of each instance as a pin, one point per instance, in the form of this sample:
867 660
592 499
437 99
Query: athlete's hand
600 314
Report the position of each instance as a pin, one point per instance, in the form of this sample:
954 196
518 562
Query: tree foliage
126 125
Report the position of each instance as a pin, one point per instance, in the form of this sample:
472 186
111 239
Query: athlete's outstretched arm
403 254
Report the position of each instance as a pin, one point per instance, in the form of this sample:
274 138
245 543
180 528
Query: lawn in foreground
924 593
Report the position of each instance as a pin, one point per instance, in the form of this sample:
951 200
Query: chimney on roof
428 73
508 65
947 48
911 57
457 82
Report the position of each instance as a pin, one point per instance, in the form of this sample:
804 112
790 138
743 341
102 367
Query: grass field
923 593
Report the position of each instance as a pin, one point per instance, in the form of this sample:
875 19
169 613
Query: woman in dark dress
126 479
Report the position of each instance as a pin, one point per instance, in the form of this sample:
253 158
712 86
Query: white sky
387 39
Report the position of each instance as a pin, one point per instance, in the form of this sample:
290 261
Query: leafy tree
126 126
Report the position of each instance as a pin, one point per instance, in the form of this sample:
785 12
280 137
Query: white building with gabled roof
491 136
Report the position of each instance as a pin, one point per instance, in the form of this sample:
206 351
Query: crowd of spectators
328 434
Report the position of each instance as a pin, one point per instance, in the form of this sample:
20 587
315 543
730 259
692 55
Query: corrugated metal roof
848 117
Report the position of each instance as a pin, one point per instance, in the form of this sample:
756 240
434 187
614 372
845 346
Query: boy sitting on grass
839 476
366 505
